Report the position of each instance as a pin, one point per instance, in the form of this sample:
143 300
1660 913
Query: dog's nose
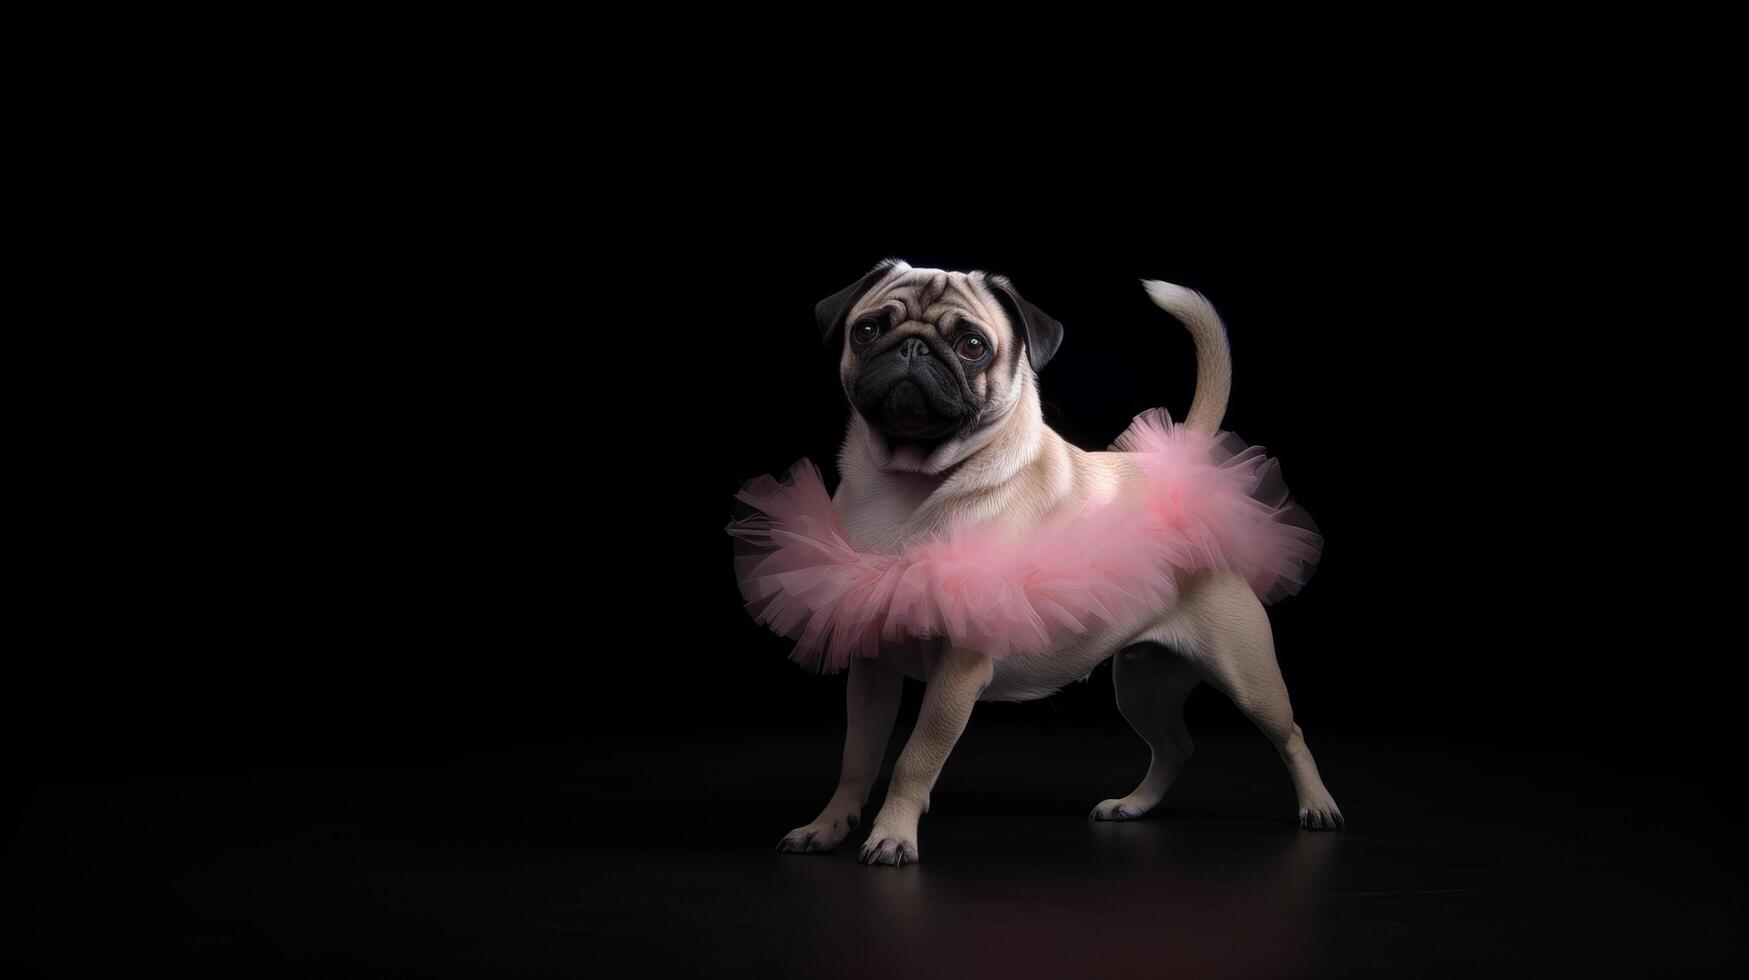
912 350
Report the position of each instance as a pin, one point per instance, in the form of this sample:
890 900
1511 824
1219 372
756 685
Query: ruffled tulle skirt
1211 501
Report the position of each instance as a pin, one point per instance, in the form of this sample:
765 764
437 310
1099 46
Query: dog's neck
889 496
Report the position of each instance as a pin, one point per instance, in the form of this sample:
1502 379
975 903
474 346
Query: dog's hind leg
871 702
955 682
1233 647
1152 683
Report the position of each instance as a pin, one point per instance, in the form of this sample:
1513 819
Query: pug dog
941 372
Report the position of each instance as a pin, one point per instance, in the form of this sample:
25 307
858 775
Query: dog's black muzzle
909 392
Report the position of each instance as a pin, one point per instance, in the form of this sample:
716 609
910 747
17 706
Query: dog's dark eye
865 331
971 347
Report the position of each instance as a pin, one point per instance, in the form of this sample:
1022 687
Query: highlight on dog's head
929 354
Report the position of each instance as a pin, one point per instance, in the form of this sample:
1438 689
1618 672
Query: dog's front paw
1127 808
1321 816
818 837
889 847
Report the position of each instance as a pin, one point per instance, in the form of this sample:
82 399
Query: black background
404 371
390 380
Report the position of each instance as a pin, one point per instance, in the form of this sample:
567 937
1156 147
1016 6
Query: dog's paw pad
1322 817
1118 810
882 849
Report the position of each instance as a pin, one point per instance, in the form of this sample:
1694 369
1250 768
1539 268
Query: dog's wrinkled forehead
937 297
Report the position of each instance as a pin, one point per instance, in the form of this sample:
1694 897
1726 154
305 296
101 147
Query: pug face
930 354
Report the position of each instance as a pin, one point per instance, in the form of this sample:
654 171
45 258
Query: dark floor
644 857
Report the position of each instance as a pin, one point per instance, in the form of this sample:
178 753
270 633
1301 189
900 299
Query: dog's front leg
959 677
871 701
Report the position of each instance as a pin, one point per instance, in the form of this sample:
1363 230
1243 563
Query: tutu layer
1211 502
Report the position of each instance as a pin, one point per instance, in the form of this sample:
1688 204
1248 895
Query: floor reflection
534 865
1142 897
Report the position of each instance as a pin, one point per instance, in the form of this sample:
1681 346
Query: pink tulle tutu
1211 502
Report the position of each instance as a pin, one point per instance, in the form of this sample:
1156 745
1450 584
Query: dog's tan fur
1013 468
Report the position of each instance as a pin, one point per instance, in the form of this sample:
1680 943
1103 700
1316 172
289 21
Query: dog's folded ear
831 311
1043 333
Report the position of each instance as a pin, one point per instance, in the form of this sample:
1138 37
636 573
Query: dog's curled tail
1214 362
